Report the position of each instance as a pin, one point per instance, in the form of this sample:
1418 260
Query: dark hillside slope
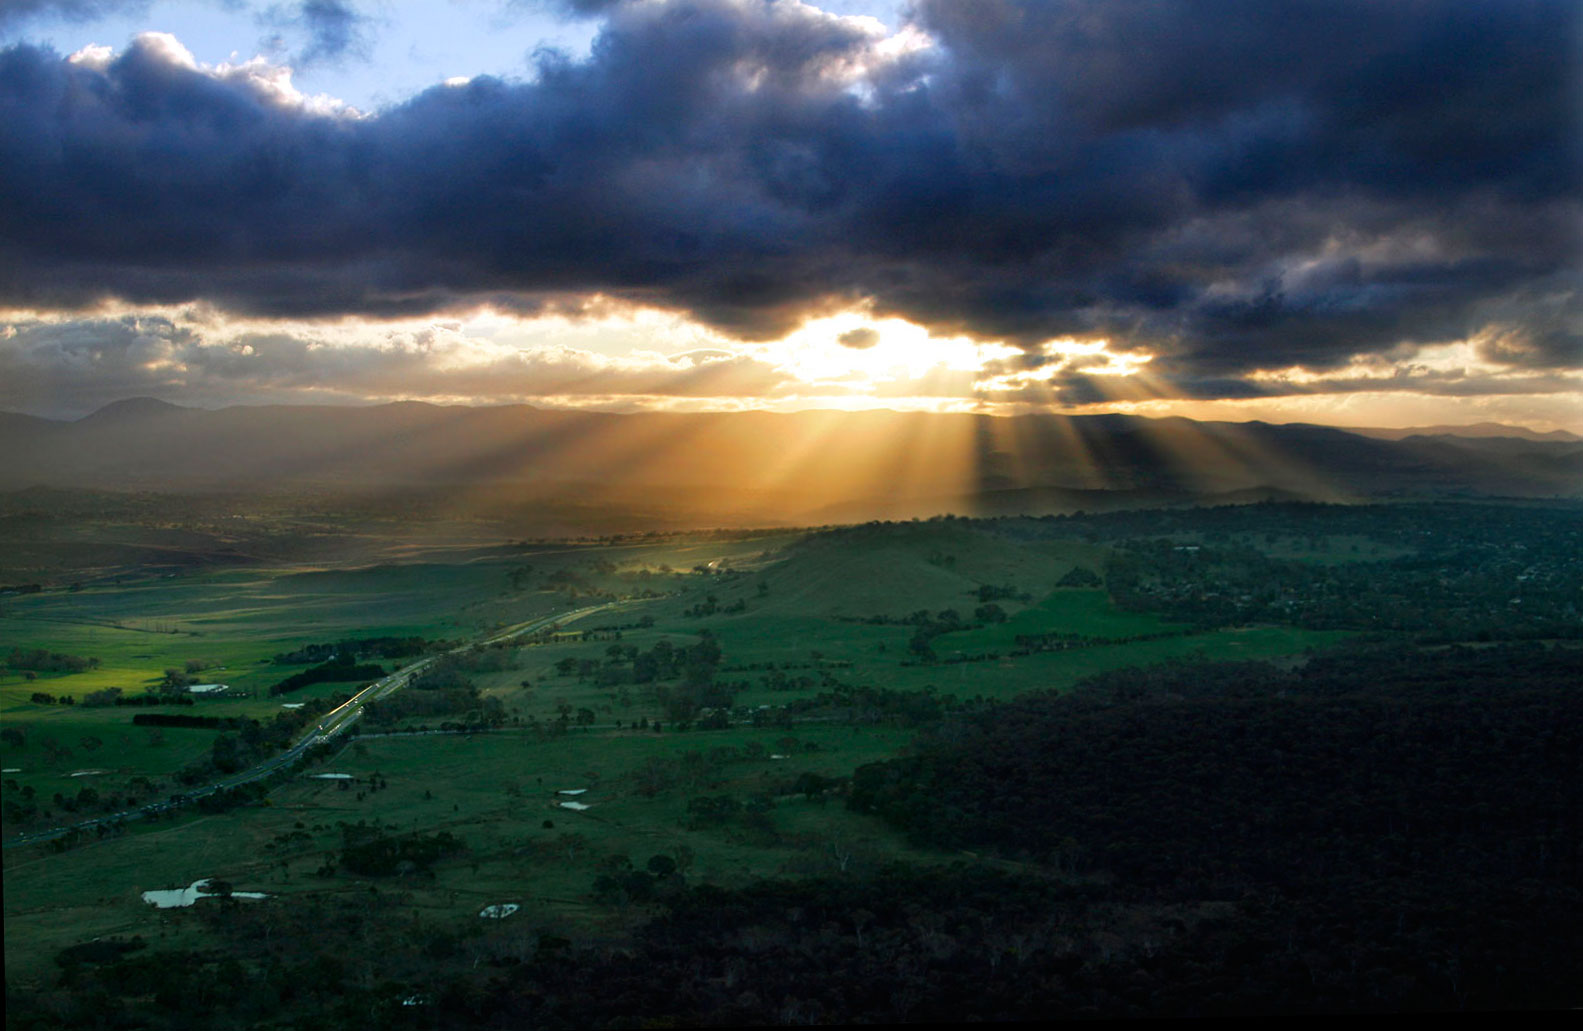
1437 768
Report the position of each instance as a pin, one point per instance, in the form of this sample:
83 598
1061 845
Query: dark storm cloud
1231 184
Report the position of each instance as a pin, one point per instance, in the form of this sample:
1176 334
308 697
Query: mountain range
804 467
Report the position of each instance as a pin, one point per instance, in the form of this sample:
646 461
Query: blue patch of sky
410 47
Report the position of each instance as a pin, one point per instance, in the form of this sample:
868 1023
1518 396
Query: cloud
334 30
859 339
567 8
18 11
79 364
1230 184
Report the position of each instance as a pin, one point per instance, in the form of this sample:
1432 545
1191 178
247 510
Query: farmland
701 727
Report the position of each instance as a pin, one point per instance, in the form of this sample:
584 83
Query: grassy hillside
816 673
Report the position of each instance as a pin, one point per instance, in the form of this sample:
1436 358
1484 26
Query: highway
330 726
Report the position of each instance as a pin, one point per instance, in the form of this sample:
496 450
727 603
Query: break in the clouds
1227 187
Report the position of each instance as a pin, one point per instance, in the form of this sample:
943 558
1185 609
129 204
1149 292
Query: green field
774 603
495 792
235 621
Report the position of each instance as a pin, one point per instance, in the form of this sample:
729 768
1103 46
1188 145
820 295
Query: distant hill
762 467
1035 501
1478 429
864 570
132 410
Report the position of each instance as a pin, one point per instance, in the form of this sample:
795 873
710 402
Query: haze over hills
1476 429
757 467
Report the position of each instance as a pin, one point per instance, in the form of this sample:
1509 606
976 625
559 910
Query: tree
654 776
990 613
175 682
1080 576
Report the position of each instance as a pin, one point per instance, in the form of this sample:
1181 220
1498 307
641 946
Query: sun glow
854 352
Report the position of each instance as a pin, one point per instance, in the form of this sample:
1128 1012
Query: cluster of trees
1379 830
1443 572
1486 593
445 689
357 647
484 658
1429 769
22 803
643 623
340 668
370 852
862 703
42 660
629 664
1412 526
621 884
1001 592
574 584
711 606
694 664
1056 641
252 741
780 681
175 682
931 625
819 661
945 622
1080 576
707 701
949 945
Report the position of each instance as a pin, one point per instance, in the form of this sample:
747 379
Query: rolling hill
762 467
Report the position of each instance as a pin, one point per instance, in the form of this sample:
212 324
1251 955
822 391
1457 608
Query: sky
1335 211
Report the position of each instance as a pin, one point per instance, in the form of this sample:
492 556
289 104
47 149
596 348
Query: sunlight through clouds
899 353
779 205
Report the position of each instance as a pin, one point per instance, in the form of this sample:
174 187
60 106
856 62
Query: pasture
775 603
